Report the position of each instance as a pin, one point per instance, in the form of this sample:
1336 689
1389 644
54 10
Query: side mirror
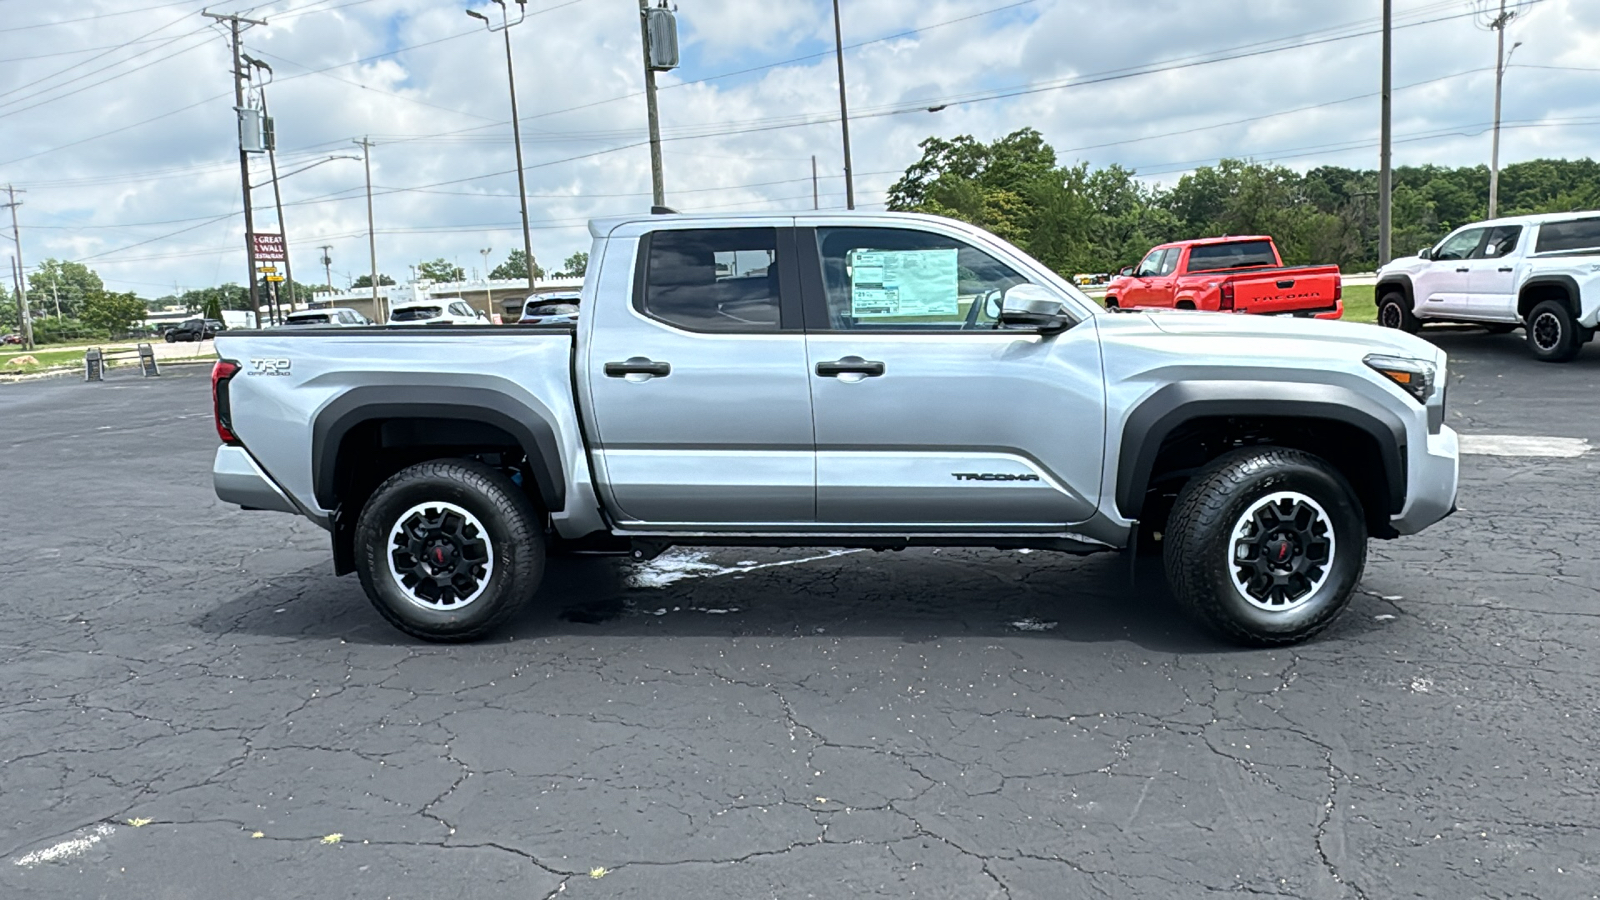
1425 253
1031 306
1125 271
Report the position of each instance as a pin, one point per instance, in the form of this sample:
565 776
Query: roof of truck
603 227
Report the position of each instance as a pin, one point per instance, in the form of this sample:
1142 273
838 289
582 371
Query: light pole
372 234
844 110
516 125
489 286
1385 148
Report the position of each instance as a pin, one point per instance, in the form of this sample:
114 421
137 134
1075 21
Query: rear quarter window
1244 254
1566 237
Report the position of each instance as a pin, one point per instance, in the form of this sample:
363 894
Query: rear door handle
1463 269
638 365
1506 269
850 365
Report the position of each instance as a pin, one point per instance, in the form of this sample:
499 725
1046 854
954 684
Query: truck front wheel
449 550
1394 311
1265 545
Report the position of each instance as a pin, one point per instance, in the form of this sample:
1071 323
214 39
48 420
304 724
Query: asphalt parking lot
194 708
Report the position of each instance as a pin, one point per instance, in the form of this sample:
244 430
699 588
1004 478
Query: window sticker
903 283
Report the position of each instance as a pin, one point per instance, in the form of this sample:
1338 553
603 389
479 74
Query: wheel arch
368 433
1399 282
1540 288
1183 425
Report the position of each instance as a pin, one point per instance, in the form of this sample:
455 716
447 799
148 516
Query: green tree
441 270
365 281
212 308
575 266
516 266
113 313
8 312
68 283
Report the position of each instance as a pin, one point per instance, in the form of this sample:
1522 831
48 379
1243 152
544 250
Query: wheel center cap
1280 551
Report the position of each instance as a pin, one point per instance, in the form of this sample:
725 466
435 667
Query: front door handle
638 365
850 365
1463 269
1506 269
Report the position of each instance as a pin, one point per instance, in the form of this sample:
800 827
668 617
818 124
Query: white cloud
438 111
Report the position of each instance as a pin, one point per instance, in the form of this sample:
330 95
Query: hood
1266 335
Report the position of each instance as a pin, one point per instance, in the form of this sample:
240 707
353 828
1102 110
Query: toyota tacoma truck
1538 272
852 380
1227 274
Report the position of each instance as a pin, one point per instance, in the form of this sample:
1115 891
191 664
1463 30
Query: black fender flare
532 428
1403 282
1565 282
1159 414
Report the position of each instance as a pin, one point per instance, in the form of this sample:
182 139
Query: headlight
1416 377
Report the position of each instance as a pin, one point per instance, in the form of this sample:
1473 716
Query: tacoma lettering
992 476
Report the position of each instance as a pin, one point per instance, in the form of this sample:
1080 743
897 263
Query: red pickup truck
1227 274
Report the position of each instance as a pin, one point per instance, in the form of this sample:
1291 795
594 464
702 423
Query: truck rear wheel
1395 312
449 550
1265 545
1553 334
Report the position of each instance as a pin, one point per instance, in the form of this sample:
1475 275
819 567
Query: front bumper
239 480
1433 476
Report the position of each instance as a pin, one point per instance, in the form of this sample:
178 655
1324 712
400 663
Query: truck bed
526 371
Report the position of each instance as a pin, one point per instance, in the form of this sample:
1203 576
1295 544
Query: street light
1494 154
516 125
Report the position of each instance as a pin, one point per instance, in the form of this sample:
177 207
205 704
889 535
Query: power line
125 12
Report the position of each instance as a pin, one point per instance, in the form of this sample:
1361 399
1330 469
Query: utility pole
1385 172
816 194
658 188
844 111
24 309
487 285
327 264
372 234
244 157
1498 23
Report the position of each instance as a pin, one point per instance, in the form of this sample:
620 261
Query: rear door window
1502 241
1567 237
1238 255
713 279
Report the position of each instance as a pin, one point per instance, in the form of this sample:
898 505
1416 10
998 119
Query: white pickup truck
1540 272
856 380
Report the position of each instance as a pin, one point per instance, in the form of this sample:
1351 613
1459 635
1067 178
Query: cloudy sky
116 115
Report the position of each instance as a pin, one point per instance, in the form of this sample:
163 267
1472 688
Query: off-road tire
1201 544
511 527
1395 312
1111 305
1553 334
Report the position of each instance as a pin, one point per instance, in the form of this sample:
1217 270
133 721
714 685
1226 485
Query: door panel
1443 287
1491 294
966 431
699 389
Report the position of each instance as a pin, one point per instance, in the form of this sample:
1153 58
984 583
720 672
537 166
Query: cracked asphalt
194 708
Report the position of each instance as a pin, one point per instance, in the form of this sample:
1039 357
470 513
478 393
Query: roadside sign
267 270
269 247
274 277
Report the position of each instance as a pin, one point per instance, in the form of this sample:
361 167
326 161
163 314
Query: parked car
842 379
443 311
10 339
551 309
1229 274
1538 272
195 330
334 317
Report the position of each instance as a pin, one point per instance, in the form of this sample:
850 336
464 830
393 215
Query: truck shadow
917 596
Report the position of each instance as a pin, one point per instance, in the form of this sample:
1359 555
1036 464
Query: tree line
1079 219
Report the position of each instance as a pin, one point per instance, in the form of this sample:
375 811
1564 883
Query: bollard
147 361
93 364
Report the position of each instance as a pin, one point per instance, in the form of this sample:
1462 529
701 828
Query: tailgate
1303 289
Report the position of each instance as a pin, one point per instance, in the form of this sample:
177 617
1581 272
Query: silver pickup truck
881 381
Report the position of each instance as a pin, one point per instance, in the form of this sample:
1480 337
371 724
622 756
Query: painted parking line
1523 445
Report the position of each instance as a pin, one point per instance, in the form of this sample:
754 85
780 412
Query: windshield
1241 255
414 313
